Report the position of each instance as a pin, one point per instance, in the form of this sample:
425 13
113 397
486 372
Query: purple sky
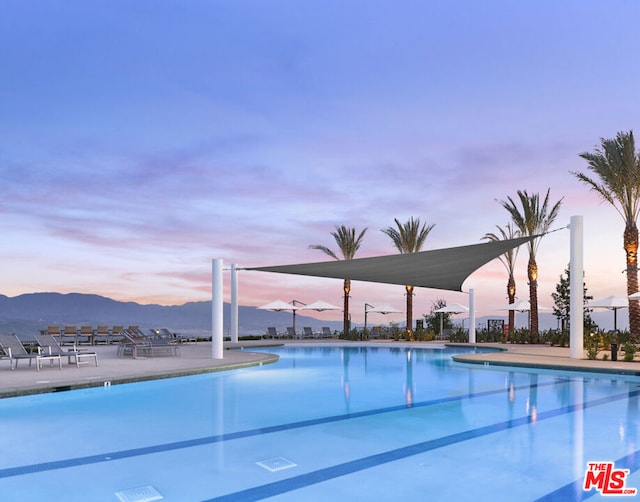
141 139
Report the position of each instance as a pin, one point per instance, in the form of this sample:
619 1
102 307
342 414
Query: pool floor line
346 468
189 443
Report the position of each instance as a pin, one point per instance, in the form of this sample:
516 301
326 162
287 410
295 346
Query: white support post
472 316
576 288
234 303
217 302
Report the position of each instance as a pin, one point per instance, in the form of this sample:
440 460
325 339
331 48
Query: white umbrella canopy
278 305
610 302
321 306
521 306
385 309
454 308
635 296
380 309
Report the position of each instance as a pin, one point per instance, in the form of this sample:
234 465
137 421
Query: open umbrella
279 306
522 306
321 306
454 308
610 302
380 309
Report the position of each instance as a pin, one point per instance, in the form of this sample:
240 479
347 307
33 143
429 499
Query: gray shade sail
438 269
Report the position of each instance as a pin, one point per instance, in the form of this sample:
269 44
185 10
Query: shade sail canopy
438 269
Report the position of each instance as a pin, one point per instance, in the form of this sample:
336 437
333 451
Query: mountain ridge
28 313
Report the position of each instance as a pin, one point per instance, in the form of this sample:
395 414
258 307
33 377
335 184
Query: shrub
629 351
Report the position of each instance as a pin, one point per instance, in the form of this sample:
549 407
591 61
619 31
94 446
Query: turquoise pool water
326 422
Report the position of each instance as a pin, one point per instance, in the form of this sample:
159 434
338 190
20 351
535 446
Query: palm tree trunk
345 319
631 250
511 293
409 290
532 273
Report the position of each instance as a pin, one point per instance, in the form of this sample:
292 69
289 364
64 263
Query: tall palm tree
348 244
617 166
534 219
409 238
508 259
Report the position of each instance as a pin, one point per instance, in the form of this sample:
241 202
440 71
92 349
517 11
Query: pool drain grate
139 494
276 464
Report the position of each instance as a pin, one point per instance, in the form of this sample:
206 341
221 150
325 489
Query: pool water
326 422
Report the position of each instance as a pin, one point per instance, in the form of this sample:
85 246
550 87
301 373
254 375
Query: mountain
29 313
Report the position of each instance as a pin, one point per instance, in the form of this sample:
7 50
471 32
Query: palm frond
410 236
347 242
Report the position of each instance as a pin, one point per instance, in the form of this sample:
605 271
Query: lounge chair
307 332
137 343
271 333
116 334
291 333
12 347
85 335
54 331
326 332
101 335
69 335
52 347
133 344
176 337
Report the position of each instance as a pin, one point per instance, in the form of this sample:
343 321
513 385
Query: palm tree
617 165
508 259
348 245
409 238
534 219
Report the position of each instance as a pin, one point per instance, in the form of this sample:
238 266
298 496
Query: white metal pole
576 290
217 302
472 316
234 303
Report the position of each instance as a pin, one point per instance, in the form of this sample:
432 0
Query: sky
143 138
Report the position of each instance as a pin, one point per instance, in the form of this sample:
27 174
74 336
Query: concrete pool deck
196 358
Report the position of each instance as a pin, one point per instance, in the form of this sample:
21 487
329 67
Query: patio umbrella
380 309
321 306
522 306
279 306
454 308
610 302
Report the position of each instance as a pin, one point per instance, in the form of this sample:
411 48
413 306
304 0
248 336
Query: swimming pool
325 422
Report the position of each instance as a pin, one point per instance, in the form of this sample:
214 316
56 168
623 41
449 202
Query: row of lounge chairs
306 333
73 335
47 349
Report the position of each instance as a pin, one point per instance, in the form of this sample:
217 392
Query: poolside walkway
196 358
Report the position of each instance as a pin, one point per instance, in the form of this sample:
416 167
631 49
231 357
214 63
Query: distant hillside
27 314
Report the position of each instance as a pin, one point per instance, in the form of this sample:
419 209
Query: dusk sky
142 138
